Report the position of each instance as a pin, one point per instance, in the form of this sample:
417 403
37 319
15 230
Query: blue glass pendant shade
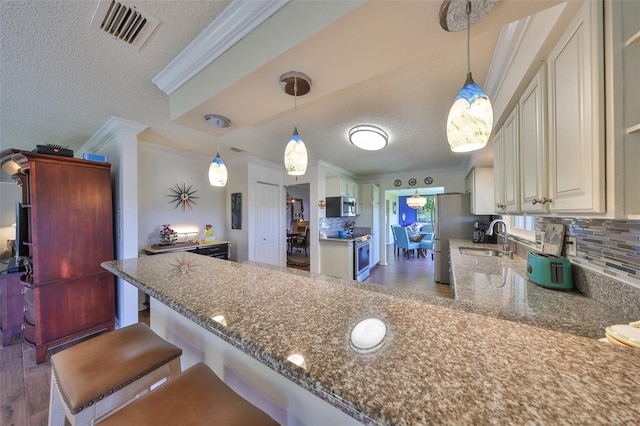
217 172
470 118
295 155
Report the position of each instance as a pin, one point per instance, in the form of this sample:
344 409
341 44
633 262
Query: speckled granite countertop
438 365
498 286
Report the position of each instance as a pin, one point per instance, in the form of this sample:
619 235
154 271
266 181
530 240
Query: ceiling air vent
126 23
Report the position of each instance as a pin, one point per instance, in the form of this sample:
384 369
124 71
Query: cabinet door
344 187
480 186
511 162
337 186
332 188
534 187
498 170
468 188
576 139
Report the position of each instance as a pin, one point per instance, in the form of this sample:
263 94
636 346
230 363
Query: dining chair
403 242
427 242
301 242
395 240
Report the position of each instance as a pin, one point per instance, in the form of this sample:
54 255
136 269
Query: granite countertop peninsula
498 287
439 364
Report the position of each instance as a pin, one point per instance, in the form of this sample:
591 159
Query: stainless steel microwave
340 206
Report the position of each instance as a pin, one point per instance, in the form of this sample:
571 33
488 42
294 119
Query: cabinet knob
23 291
24 309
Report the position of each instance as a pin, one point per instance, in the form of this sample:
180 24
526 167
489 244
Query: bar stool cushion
195 397
95 368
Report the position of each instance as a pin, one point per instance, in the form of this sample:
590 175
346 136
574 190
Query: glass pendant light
217 168
416 201
470 118
295 153
217 171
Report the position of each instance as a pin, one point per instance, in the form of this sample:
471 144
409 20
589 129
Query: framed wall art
236 210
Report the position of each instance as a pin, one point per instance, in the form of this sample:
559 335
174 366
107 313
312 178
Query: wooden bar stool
102 374
196 397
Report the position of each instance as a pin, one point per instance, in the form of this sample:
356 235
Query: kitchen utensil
553 239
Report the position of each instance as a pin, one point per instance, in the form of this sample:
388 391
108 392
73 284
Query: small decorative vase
168 236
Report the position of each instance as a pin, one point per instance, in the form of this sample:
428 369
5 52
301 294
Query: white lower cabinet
336 258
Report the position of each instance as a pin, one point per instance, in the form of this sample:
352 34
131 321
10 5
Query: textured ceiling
387 63
60 80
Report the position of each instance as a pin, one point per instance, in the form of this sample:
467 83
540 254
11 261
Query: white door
266 243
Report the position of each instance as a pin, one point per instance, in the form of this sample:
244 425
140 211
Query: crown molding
111 129
509 41
232 25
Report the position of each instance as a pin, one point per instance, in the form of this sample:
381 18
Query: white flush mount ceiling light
416 201
470 118
215 120
295 154
369 138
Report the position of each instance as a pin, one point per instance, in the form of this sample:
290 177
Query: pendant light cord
468 36
295 102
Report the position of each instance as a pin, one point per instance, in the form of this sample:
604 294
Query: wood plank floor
413 273
24 386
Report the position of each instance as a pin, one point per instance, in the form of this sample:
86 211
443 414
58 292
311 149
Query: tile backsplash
610 247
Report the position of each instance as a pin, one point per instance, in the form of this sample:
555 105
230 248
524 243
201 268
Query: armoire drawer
29 332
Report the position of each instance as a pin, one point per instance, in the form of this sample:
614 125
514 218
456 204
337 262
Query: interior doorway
298 226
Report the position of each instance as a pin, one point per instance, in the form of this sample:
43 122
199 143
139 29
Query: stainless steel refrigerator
451 218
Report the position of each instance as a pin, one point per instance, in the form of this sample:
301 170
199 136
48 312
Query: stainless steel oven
362 251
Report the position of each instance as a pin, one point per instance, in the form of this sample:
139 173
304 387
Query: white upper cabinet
511 175
576 115
338 186
479 184
498 172
622 61
534 186
506 166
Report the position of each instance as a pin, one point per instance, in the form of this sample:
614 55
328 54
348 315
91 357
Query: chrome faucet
505 242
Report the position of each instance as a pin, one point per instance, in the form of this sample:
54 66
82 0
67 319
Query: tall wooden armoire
67 295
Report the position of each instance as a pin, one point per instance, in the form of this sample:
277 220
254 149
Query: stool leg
128 394
56 408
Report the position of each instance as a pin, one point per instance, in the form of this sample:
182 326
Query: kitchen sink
480 251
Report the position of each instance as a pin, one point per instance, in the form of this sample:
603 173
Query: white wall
238 181
161 168
10 192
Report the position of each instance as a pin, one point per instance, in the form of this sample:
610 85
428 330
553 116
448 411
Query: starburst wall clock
182 196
